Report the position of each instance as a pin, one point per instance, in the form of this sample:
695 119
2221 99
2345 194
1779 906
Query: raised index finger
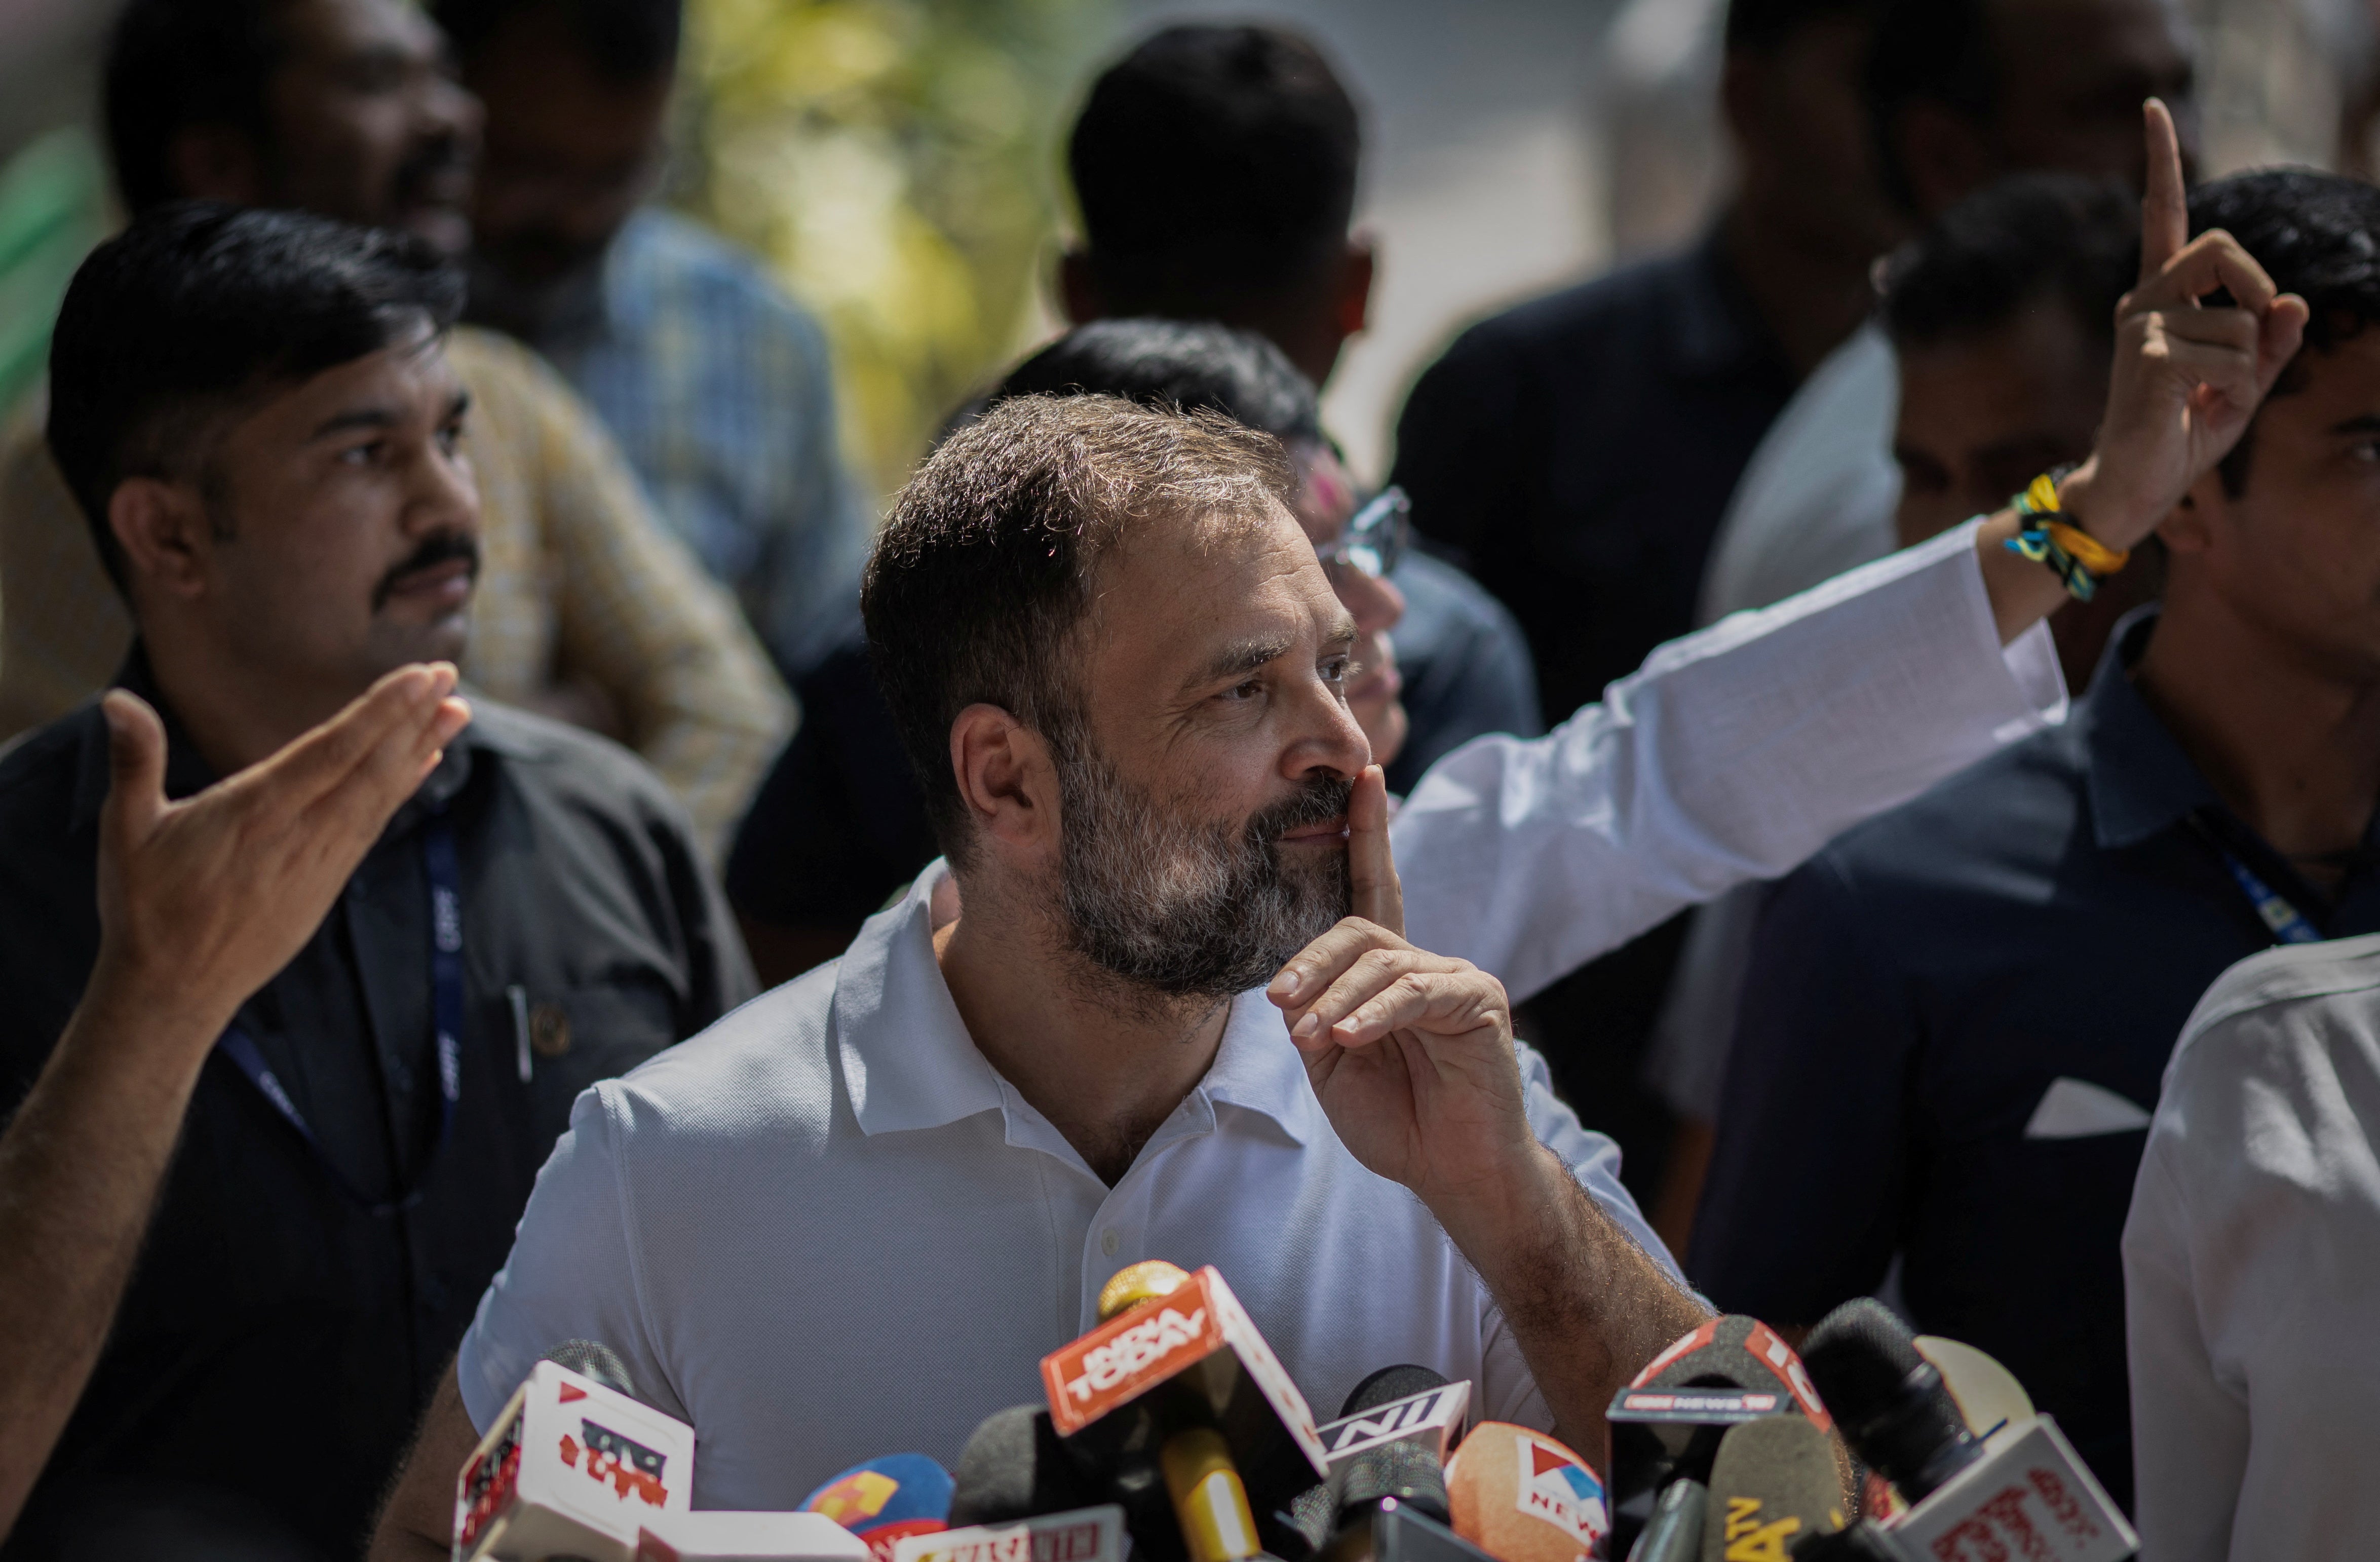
2165 207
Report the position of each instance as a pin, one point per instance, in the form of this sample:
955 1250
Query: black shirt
1575 454
278 1341
2045 920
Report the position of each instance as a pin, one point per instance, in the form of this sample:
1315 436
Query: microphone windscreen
1735 1350
1014 1467
1894 1410
1388 1385
1522 1497
1675 1532
887 1499
1773 1483
1987 1394
593 1360
1402 1471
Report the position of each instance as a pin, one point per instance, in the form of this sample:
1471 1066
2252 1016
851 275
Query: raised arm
1737 752
199 903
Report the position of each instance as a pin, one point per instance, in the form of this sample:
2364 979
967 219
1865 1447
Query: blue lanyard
2285 922
439 863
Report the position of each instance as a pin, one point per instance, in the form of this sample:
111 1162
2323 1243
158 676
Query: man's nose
1334 743
449 111
445 495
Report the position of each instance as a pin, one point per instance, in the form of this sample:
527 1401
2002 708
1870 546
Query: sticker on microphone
1555 1488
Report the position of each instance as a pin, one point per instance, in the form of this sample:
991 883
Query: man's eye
360 454
1339 669
1248 691
2366 451
450 438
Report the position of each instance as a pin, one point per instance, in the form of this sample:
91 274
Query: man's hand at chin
1410 1056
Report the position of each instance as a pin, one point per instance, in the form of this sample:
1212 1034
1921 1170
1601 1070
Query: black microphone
1387 1453
594 1359
1896 1412
1014 1467
1675 1531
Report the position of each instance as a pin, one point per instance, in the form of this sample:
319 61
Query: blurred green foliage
52 209
897 162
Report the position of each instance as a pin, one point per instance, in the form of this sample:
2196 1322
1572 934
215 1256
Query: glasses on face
1375 538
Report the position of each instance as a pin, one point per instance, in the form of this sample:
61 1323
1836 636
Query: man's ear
1352 308
164 532
216 162
1945 155
1007 777
1078 287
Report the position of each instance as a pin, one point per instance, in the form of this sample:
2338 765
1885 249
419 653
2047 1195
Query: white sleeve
2190 1433
1731 754
573 1274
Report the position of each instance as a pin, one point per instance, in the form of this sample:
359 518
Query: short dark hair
2314 236
172 64
1214 164
1186 366
1941 50
626 40
2030 237
983 573
198 306
1762 26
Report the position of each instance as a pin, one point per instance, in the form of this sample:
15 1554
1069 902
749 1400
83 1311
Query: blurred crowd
1920 1055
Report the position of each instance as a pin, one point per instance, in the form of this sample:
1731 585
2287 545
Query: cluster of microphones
1171 1433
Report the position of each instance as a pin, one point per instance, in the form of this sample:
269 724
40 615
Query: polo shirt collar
909 1063
2141 782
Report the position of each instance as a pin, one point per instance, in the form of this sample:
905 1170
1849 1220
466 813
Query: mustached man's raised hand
2189 373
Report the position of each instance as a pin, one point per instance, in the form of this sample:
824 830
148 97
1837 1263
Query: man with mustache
856 1213
256 414
587 609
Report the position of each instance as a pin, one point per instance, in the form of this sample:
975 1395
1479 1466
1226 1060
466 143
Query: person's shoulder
2282 1003
38 769
586 768
669 252
1578 315
2019 796
759 1082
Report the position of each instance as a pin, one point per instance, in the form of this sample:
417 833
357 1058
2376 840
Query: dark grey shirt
279 1339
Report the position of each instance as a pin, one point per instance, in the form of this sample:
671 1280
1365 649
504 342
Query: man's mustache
435 158
1319 801
443 548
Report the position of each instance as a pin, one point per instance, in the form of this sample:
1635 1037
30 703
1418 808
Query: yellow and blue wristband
2078 559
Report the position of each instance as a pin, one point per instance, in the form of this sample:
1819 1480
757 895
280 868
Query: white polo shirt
826 1229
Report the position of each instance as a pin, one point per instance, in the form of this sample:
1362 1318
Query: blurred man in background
1576 452
1216 171
1959 93
1956 1016
715 384
256 416
2003 316
585 608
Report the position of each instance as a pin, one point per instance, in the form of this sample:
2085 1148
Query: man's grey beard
1185 909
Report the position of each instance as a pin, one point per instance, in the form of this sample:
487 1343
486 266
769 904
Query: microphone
1087 1535
594 1359
747 1537
1522 1498
1177 1383
570 1468
1666 1425
2022 1491
1387 1455
1014 1467
1675 1534
886 1499
1774 1480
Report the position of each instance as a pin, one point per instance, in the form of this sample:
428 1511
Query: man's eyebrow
2368 423
459 406
1342 632
355 417
1245 656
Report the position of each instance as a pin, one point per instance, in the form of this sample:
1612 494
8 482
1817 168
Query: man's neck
1105 1065
2291 748
1810 299
234 715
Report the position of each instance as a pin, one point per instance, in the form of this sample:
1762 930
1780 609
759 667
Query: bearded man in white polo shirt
853 1216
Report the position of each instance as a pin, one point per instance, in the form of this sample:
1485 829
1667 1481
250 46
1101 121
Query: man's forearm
1588 1305
79 1169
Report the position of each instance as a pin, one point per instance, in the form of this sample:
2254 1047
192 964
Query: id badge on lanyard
440 868
2282 919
